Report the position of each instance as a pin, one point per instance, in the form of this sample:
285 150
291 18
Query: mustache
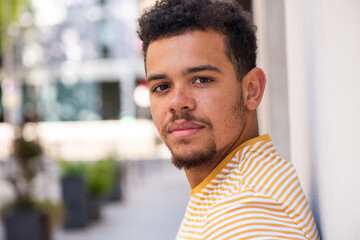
187 117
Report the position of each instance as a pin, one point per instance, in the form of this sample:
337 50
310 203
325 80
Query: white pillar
259 18
273 112
323 48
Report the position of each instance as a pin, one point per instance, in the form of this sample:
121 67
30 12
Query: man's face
195 97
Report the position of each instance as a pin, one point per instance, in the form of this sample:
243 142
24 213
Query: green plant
27 161
54 211
72 168
100 176
9 13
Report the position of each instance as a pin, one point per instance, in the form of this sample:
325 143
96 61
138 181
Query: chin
184 160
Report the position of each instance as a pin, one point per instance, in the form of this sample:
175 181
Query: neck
197 174
250 130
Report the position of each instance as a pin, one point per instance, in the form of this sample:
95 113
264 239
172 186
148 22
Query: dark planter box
25 225
75 202
116 193
94 208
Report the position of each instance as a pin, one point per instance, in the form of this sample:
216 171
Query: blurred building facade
78 60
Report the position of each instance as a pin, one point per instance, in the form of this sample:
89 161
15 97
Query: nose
181 100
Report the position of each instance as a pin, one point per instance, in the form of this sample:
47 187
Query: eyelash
208 80
159 85
203 78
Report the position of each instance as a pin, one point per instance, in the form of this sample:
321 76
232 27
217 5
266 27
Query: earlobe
253 85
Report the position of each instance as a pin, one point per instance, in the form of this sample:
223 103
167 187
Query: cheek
218 107
224 116
159 116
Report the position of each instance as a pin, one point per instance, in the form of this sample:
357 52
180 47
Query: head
174 17
204 87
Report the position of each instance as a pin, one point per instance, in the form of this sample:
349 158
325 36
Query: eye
202 80
160 87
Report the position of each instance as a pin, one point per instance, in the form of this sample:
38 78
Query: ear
253 86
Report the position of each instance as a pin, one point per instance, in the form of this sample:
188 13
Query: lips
183 129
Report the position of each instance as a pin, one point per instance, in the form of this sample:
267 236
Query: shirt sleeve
250 215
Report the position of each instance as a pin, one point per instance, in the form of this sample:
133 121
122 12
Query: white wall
323 48
322 68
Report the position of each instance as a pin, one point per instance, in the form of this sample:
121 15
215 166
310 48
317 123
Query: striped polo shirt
252 194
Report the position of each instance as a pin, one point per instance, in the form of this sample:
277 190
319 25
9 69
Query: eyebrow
155 77
185 72
201 68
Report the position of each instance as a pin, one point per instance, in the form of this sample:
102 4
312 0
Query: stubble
206 155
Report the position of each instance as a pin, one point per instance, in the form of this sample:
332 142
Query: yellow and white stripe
252 194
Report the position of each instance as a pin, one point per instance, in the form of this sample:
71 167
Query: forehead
190 48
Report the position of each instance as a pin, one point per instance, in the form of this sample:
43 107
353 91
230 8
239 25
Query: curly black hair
169 18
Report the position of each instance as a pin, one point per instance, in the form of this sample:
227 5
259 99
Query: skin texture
200 108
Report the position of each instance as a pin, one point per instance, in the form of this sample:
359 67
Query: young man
200 60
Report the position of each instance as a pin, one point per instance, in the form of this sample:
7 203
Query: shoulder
249 214
275 178
269 200
268 174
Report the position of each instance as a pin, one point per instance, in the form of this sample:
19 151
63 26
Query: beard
207 154
195 159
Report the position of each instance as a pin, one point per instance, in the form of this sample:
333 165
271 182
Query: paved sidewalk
156 195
